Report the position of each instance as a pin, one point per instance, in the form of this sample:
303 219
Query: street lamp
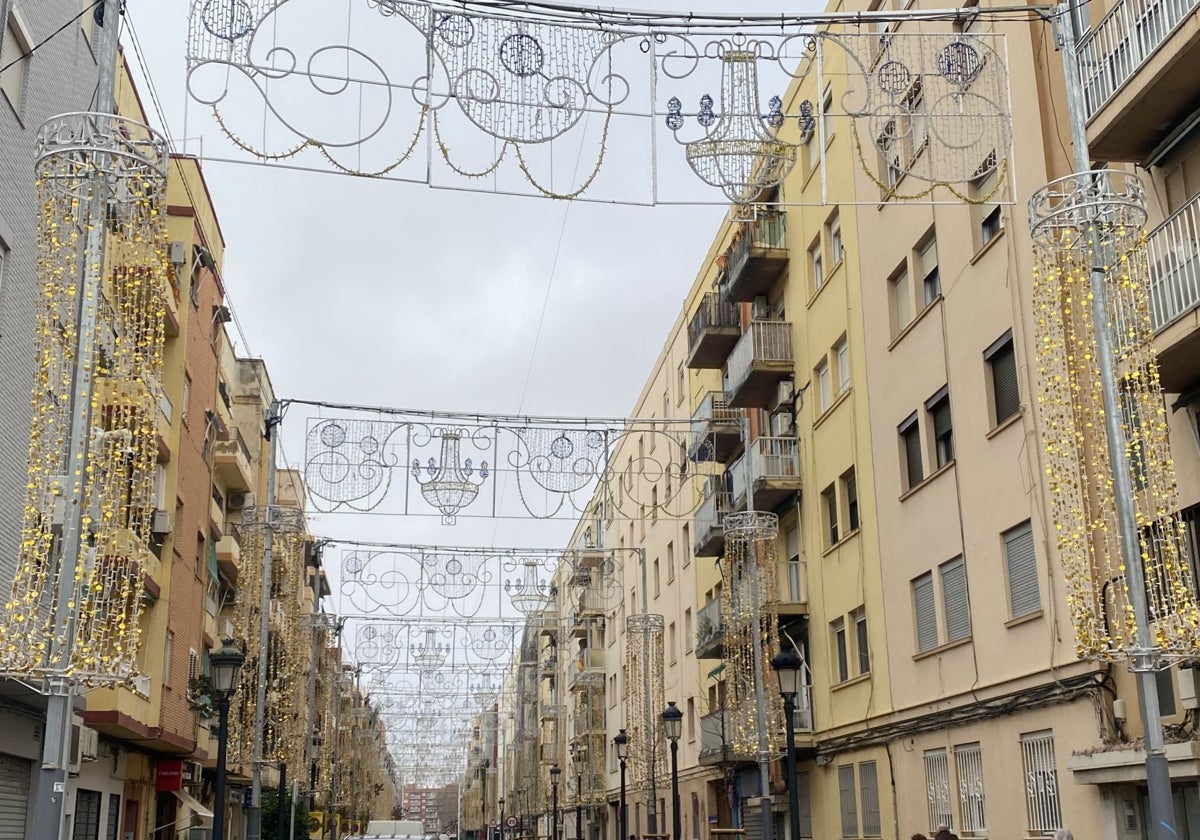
621 742
554 774
579 758
500 802
672 718
226 666
787 665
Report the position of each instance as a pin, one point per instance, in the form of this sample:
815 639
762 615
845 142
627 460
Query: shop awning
193 804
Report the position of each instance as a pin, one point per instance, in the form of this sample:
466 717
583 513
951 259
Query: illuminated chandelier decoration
455 647
480 97
645 695
741 153
100 179
430 655
450 484
530 593
1078 223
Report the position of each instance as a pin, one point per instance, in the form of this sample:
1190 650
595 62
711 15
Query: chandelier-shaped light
430 655
741 152
450 485
530 594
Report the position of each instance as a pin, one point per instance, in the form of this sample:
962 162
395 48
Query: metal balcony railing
763 342
714 408
775 458
1175 265
1113 50
709 622
765 232
714 311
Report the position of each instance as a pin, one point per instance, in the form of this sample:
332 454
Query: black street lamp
554 774
672 718
787 667
226 666
579 758
621 742
500 802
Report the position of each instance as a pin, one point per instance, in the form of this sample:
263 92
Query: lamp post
621 742
555 772
787 667
672 718
226 664
500 802
578 757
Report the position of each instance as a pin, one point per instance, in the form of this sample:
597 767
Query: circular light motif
333 435
455 29
454 566
522 55
959 63
227 19
894 77
369 445
561 447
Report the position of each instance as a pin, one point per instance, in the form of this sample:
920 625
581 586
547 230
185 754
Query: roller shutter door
14 796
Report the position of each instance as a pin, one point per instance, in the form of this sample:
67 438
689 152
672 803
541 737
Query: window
670 561
654 503
168 649
1002 369
691 718
968 765
937 789
804 801
1020 562
838 631
850 486
938 407
824 388
925 612
890 148
187 393
910 450
688 635
983 190
868 788
681 386
16 49
827 116
927 265
687 544
830 507
791 544
849 803
900 297
815 265
193 665
657 579
114 816
842 354
1041 782
836 252
672 643
87 815
918 128
955 604
861 645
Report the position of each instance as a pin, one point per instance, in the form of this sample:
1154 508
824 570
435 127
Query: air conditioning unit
785 394
226 628
191 772
141 684
760 310
178 253
160 523
782 422
1189 688
89 744
238 501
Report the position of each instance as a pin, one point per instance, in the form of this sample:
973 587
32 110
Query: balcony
231 460
229 556
713 331
552 711
760 361
772 467
549 666
1174 248
716 429
710 631
587 670
1139 65
716 741
710 531
756 258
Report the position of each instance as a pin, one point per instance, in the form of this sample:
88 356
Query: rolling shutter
1019 556
954 599
14 796
925 610
1005 390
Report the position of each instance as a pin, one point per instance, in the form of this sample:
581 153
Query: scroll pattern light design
288 643
99 178
748 589
408 644
491 90
645 667
1079 222
555 466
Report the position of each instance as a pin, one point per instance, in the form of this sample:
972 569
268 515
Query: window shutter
954 598
1023 595
912 451
925 610
846 793
941 418
868 784
1005 389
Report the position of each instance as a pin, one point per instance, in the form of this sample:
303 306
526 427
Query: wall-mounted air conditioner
160 523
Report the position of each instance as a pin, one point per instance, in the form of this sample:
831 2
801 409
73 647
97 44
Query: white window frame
841 352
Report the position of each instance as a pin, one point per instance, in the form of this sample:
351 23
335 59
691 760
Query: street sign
511 822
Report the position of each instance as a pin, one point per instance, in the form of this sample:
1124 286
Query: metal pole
1158 779
789 713
676 822
554 810
652 804
295 795
254 823
310 746
624 815
579 807
218 831
760 698
333 810
51 795
280 795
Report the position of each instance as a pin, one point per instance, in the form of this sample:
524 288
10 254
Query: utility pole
254 822
1142 661
651 716
51 791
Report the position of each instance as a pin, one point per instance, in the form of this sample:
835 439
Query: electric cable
49 37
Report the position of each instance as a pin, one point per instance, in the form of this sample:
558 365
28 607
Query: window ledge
1024 619
957 643
1011 421
838 400
945 468
985 248
920 316
849 536
813 297
861 678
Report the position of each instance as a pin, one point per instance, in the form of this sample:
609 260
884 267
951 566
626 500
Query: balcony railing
775 458
1113 50
716 428
714 409
1175 265
764 342
710 533
709 622
766 232
714 312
